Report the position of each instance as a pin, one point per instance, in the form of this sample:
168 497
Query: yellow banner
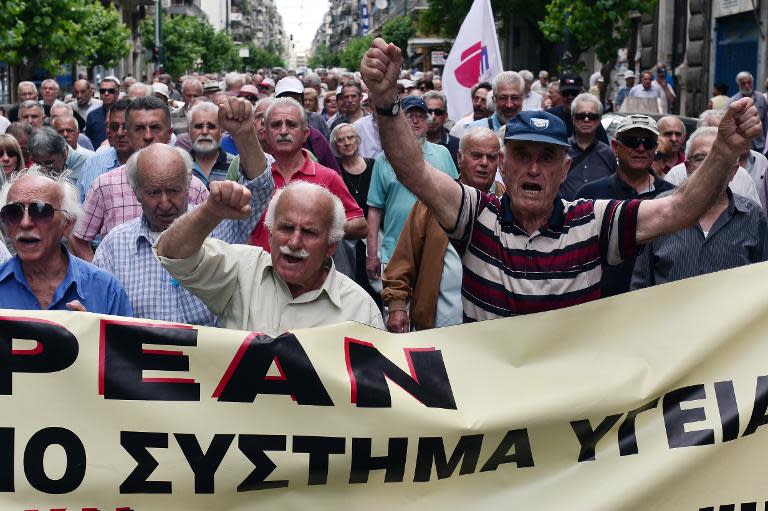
653 400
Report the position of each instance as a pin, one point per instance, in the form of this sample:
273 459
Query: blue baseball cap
536 126
409 102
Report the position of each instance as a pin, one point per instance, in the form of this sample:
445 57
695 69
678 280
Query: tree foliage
398 30
191 43
601 25
49 33
352 54
259 58
446 16
323 57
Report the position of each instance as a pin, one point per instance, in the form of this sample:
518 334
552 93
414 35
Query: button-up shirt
112 202
127 252
100 163
219 170
590 164
98 290
239 283
738 237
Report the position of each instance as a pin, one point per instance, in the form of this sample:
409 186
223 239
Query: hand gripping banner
657 399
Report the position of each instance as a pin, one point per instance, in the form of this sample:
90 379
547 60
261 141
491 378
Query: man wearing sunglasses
38 213
531 251
437 107
96 122
635 147
591 159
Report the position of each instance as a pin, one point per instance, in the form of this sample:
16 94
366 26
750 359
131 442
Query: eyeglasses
583 116
107 91
252 99
116 126
209 125
10 153
436 111
635 142
39 212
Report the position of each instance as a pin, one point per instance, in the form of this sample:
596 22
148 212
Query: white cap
161 88
628 74
112 78
289 84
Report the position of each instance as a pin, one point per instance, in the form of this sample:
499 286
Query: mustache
284 138
299 254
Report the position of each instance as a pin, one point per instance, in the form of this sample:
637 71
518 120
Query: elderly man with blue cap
531 251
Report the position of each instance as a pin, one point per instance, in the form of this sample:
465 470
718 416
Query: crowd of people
272 201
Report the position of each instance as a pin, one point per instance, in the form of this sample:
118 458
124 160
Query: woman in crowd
356 172
310 100
330 106
11 158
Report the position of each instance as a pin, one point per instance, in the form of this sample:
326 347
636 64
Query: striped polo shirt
508 271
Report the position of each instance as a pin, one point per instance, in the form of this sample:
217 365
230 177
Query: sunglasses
583 116
436 111
39 212
252 99
107 91
115 126
635 142
9 152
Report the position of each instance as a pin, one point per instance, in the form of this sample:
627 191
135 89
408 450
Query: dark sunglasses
635 142
39 212
115 126
436 111
252 99
10 152
107 91
583 116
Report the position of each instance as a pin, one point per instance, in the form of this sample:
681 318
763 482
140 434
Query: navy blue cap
409 102
537 126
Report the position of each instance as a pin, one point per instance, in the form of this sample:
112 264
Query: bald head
673 130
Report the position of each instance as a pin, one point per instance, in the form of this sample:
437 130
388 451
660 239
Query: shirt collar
72 276
556 219
330 285
307 168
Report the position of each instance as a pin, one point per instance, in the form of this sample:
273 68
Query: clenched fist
380 69
228 201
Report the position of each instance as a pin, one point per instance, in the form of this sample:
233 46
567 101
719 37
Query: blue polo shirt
98 290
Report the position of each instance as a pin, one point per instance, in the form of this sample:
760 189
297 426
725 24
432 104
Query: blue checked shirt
127 252
100 163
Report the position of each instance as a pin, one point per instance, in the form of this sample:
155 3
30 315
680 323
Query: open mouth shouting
531 189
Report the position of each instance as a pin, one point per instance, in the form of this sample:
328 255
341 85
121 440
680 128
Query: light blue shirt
387 193
449 310
100 163
483 123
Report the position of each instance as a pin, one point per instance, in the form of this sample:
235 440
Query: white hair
70 196
140 85
205 106
710 131
508 78
742 75
586 97
234 81
706 115
290 102
132 166
306 189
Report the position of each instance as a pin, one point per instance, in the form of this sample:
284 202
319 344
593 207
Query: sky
302 19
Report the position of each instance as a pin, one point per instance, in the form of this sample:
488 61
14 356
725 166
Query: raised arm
236 117
380 69
185 236
739 126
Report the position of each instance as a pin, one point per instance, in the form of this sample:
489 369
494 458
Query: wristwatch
392 110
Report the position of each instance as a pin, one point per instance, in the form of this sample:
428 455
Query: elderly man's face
509 101
438 115
673 131
478 162
67 128
646 80
163 190
532 173
351 99
204 132
146 127
108 92
299 241
32 116
746 86
417 119
51 162
117 132
27 92
49 91
284 130
189 92
701 147
260 125
634 159
480 103
585 118
36 238
83 92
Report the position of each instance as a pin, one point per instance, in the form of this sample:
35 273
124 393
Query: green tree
48 33
601 25
352 54
323 57
259 58
446 16
398 30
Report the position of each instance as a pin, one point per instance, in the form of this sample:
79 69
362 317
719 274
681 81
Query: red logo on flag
474 62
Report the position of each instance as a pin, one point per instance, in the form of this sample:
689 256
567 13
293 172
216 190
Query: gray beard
205 149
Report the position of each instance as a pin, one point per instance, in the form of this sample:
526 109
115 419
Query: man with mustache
211 161
296 286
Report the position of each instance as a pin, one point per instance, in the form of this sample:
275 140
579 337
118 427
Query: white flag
474 58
